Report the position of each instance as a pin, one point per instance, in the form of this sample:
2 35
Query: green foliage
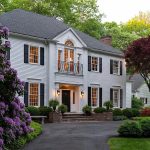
117 112
53 103
99 110
130 129
62 108
135 112
44 110
87 110
34 111
145 125
19 143
137 103
108 105
127 112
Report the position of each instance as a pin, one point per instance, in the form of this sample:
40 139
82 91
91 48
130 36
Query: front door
66 98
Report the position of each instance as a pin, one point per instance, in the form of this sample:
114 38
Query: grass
141 118
129 143
19 143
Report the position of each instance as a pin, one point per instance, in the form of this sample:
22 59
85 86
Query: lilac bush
14 121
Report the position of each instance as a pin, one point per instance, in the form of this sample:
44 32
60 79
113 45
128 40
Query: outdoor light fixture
82 93
58 92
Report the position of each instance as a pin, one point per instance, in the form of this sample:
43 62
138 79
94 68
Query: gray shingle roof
137 81
32 24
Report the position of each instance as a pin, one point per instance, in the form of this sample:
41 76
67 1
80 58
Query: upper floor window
34 55
116 67
94 64
33 94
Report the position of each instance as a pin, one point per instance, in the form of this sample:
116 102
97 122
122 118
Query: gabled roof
137 81
36 25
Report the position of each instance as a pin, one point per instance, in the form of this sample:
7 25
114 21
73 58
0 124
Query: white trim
70 29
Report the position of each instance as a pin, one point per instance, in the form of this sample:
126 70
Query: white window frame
38 93
118 68
38 55
114 90
97 103
97 64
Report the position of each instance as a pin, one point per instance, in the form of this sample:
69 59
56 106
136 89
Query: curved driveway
75 136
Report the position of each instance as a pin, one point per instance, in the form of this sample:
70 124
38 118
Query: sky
122 10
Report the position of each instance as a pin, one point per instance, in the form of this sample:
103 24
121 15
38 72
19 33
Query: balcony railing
70 68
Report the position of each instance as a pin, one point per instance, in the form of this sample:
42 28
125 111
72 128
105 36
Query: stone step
77 119
76 116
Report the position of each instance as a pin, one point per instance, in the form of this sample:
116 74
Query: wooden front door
66 98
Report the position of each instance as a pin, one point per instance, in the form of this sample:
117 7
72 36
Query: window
33 94
59 59
116 67
94 97
34 54
94 64
69 43
144 99
115 97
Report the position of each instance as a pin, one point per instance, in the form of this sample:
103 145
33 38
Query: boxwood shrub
117 112
130 129
34 111
145 125
100 110
44 110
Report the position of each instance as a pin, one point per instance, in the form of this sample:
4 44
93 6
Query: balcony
70 68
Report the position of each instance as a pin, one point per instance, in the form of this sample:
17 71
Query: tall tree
137 58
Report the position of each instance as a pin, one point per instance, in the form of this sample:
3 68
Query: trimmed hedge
117 112
99 110
19 143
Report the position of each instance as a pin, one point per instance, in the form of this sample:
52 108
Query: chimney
106 40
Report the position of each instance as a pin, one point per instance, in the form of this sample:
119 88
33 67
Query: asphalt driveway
75 136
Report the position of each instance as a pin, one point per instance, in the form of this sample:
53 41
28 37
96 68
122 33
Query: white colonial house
57 61
136 87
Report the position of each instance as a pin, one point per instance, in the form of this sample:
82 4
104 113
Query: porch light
82 93
58 92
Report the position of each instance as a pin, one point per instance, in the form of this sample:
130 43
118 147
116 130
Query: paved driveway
75 136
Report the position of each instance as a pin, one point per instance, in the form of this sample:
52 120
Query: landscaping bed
21 141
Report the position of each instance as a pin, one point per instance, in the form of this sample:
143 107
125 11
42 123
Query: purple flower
1 130
1 142
9 121
1 78
6 31
2 105
7 44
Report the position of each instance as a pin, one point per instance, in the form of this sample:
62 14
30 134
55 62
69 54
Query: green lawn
129 143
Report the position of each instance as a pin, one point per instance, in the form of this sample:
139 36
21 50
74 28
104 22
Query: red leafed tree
137 58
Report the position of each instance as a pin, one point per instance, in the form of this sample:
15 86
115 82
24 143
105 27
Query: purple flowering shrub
14 121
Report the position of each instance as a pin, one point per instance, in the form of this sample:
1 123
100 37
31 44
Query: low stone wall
105 116
55 117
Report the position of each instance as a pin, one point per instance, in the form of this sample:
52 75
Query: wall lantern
58 92
82 93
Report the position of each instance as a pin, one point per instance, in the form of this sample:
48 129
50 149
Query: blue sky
122 10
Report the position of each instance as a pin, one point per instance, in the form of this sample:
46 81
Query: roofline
73 33
104 52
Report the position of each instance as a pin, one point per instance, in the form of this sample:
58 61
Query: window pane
94 63
59 59
34 94
94 96
69 43
33 54
116 67
115 97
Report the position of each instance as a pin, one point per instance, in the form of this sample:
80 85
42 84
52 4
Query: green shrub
127 112
130 129
87 110
117 112
108 105
34 111
137 103
44 110
135 112
145 125
62 108
53 103
118 118
99 110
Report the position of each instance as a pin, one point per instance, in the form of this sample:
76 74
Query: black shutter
100 64
26 49
146 101
120 67
89 96
26 93
111 94
111 66
121 98
89 63
100 97
41 94
8 54
41 55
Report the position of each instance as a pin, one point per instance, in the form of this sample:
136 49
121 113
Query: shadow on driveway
75 136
